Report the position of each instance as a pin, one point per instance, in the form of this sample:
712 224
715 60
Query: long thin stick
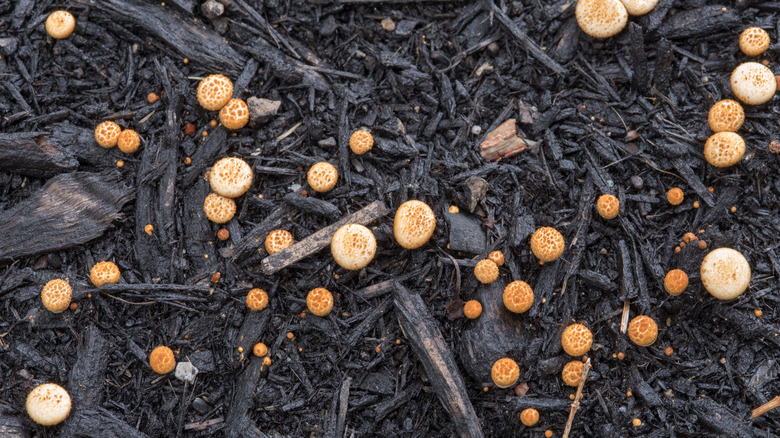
576 404
766 407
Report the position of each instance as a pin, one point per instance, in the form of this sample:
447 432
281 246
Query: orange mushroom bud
230 177
572 373
257 299
547 244
472 309
278 240
219 209
505 372
56 295
128 141
642 330
576 340
319 301
104 273
260 350
675 196
486 271
518 296
361 141
608 206
529 417
676 281
214 92
234 115
497 257
322 177
353 246
726 115
162 360
107 134
413 224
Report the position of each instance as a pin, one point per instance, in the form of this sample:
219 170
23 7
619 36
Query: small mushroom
56 295
219 209
753 41
601 18
107 134
257 299
361 141
572 373
608 206
497 257
505 372
214 92
518 296
162 360
642 330
104 273
413 224
726 115
753 83
319 301
260 350
724 149
529 417
472 309
128 141
322 177
576 340
230 177
725 273
675 196
486 271
547 244
675 281
278 240
48 404
234 115
60 24
639 7
353 246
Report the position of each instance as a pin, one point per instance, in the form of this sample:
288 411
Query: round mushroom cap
234 115
505 372
642 330
361 141
48 404
639 7
56 295
60 24
278 240
230 177
753 83
486 271
497 257
214 92
413 224
725 273
260 349
322 177
107 134
162 360
257 299
219 209
572 373
726 115
472 309
576 340
724 149
753 41
529 417
675 196
675 281
608 206
353 246
547 244
104 273
601 18
518 296
128 141
319 301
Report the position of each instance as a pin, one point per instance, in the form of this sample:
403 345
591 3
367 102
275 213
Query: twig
624 318
766 407
576 404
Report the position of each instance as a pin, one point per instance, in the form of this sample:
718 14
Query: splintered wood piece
503 142
29 153
320 239
70 210
766 407
429 347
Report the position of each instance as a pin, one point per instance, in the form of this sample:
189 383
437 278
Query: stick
320 239
766 407
576 404
29 153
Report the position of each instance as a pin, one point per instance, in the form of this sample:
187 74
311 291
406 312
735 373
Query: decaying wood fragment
503 142
429 346
31 154
766 407
320 239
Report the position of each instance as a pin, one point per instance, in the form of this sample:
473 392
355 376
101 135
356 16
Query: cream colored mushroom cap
753 83
413 224
230 177
639 7
725 273
724 149
48 404
353 246
60 24
601 18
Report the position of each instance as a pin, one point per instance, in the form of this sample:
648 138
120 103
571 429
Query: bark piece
31 154
503 142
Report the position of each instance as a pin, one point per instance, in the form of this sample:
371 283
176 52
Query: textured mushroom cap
505 372
608 206
753 83
675 281
724 149
60 24
753 41
725 273
128 141
576 340
230 177
486 271
260 349
219 209
547 244
413 224
234 115
214 92
257 299
322 177
529 417
107 134
639 7
675 196
642 330
278 240
472 309
497 257
56 295
353 246
572 373
361 141
104 273
319 301
518 296
162 360
726 115
601 18
48 404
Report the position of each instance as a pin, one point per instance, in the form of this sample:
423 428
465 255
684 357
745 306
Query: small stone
388 24
262 110
475 189
327 143
212 9
637 182
186 372
476 130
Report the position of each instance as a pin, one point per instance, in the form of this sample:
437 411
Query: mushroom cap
361 141
518 296
260 349
497 257
726 115
162 360
547 244
353 246
319 301
257 299
234 115
486 271
214 92
601 18
103 273
219 209
572 373
472 309
230 177
725 273
413 224
128 141
48 404
675 196
505 372
107 134
753 41
675 281
322 177
642 330
278 240
56 295
753 83
60 24
724 149
529 417
576 340
608 206
639 7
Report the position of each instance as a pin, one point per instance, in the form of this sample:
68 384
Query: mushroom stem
766 407
576 403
